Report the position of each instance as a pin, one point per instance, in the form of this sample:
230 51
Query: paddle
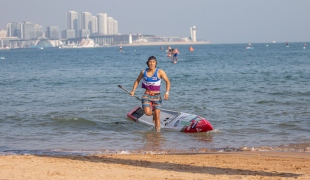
128 92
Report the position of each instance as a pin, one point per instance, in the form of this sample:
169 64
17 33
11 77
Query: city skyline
78 25
238 21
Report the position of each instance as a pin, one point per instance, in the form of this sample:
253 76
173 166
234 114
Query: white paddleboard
173 120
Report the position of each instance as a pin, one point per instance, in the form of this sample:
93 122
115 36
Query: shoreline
303 147
124 45
165 43
228 165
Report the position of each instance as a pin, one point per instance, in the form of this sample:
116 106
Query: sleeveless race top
151 83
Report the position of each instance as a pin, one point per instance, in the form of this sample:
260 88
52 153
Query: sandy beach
235 165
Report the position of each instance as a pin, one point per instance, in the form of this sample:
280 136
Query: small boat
249 46
173 120
69 46
87 43
2 57
305 45
287 44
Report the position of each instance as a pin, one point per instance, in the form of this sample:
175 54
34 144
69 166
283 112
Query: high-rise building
86 20
102 23
52 32
115 26
72 22
110 26
14 30
68 33
85 24
38 31
24 30
193 33
84 33
27 30
94 25
2 33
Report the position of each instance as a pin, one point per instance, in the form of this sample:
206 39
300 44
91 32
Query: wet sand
236 165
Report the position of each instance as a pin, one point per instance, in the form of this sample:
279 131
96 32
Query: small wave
214 131
307 93
290 93
286 125
75 120
301 147
267 102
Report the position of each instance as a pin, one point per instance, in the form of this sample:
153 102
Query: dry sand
240 165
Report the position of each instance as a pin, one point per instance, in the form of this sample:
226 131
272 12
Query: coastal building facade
72 22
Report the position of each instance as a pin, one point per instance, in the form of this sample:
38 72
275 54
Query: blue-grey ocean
62 101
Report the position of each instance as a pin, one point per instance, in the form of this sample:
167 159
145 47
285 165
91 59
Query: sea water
68 100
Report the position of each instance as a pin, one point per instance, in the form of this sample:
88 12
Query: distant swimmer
168 48
120 49
191 49
161 48
169 51
175 53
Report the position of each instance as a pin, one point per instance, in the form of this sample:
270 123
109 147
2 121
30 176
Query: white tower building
193 33
110 26
102 23
130 38
115 26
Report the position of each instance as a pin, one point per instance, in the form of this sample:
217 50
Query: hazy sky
218 21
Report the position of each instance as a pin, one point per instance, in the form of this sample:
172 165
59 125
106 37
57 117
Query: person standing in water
151 82
175 53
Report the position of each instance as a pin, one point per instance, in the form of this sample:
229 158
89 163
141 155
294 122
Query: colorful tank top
151 83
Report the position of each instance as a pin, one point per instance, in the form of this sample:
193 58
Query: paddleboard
173 120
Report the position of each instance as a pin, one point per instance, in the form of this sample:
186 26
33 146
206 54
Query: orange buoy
191 48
